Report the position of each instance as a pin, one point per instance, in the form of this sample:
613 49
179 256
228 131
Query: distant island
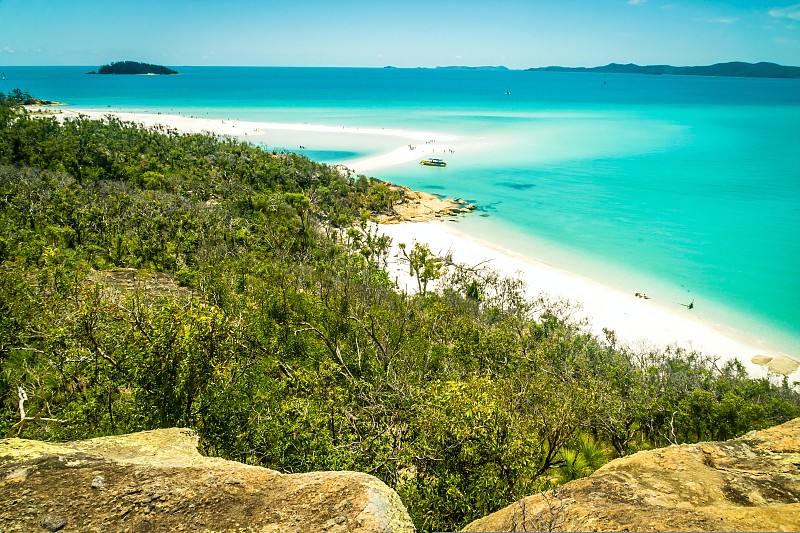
737 69
133 67
461 67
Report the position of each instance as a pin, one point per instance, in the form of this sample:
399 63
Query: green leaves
574 463
422 264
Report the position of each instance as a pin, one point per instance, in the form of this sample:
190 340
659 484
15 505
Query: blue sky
406 33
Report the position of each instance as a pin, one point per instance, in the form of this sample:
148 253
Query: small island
133 67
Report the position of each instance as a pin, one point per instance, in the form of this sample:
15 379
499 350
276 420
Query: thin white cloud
636 2
723 20
8 50
789 12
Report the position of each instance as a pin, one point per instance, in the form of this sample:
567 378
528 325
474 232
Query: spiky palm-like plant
580 461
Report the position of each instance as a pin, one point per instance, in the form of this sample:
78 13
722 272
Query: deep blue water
687 188
243 87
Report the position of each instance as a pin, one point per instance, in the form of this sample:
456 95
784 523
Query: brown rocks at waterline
417 206
778 365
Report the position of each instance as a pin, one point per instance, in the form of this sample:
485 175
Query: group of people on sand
412 147
690 305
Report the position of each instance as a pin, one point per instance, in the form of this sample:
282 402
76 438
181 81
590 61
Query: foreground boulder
747 484
157 481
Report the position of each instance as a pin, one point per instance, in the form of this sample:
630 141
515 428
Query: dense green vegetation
133 67
151 279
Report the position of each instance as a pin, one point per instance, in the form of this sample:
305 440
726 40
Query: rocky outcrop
157 481
781 364
746 484
417 206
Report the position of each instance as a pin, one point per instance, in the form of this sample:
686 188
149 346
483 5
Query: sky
402 33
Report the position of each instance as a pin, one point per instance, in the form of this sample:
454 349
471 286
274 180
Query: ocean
684 188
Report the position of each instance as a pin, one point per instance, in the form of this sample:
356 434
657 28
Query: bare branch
23 397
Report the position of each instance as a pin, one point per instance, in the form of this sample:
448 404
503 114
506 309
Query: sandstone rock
53 522
157 481
761 359
418 206
779 365
747 484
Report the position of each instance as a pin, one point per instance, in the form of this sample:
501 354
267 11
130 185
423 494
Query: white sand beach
638 322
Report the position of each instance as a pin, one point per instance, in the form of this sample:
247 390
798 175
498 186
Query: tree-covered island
151 279
133 67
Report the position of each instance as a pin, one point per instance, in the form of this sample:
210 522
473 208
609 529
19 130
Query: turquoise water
687 188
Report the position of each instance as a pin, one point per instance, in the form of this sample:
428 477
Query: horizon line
465 66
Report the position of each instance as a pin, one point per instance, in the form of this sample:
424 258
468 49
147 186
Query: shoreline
637 322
